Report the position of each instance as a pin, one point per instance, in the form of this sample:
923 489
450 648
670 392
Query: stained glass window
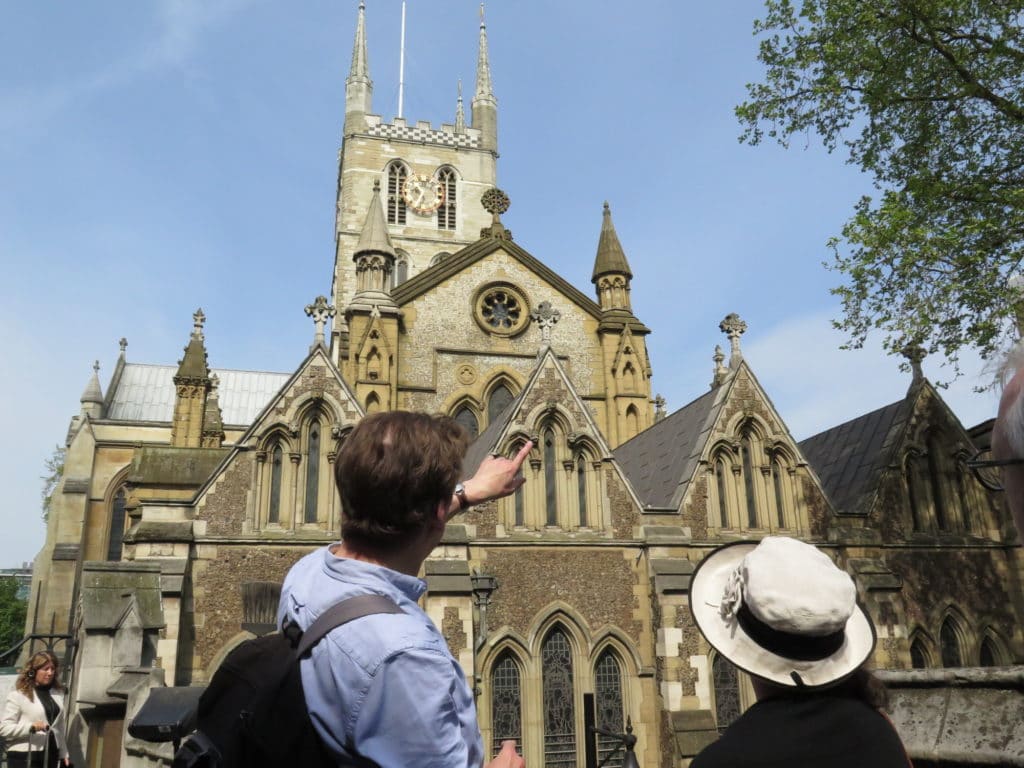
520 512
559 709
949 642
312 471
506 701
780 507
501 396
467 419
117 515
608 706
727 692
276 457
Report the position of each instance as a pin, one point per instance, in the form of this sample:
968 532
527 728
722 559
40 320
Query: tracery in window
397 174
950 643
506 701
312 471
608 706
727 692
446 213
558 701
276 466
115 541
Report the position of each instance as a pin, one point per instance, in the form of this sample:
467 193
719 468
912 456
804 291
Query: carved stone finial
659 408
495 202
545 316
320 311
96 367
915 354
198 318
719 372
733 327
214 381
123 344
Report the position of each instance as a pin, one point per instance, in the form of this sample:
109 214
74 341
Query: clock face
422 193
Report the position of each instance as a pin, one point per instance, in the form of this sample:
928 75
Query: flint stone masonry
225 504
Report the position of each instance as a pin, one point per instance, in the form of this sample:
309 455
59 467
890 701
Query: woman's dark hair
26 682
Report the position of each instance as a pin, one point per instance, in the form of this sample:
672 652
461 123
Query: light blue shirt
384 685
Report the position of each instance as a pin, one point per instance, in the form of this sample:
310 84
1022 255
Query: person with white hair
783 612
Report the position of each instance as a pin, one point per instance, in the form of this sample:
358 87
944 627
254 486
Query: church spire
460 113
374 255
485 106
358 86
611 270
191 383
92 397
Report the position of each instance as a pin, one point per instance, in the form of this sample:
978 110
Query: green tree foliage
54 472
927 96
12 614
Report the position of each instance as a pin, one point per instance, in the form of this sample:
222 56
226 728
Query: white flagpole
401 65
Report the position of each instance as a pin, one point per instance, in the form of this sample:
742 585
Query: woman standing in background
33 721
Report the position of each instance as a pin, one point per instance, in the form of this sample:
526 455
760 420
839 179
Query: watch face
422 193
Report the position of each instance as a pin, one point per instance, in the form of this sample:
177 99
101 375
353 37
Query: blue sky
166 155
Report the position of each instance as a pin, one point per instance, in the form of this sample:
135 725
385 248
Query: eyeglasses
986 469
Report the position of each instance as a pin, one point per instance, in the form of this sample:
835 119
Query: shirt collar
370 574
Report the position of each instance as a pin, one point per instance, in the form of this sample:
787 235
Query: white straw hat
781 610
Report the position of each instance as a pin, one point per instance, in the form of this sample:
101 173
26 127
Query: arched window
581 488
558 701
439 257
989 655
629 378
397 174
446 213
919 656
748 480
550 475
312 471
608 706
500 397
632 422
780 504
727 692
276 462
963 490
935 470
372 403
506 701
117 523
465 417
913 493
950 645
520 512
401 273
723 497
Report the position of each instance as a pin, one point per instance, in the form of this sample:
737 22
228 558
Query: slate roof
660 461
849 458
146 393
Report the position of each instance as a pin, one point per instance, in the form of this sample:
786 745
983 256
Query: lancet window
559 701
608 706
726 683
951 643
118 518
313 458
506 701
466 418
276 469
397 174
446 212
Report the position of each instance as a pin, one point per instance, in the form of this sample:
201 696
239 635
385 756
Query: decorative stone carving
733 327
466 374
545 316
321 312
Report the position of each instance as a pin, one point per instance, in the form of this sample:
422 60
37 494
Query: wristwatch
460 492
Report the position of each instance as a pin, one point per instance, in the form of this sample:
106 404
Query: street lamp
627 740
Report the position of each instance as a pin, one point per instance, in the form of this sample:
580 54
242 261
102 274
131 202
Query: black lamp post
627 740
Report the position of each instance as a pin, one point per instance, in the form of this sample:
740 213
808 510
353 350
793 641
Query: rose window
502 309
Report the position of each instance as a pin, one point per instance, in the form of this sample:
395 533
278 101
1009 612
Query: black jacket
823 730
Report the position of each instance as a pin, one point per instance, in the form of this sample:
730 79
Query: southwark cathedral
189 490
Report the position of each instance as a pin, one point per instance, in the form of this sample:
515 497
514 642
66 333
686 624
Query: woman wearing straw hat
783 612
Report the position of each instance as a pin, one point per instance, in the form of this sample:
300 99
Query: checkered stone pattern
425 135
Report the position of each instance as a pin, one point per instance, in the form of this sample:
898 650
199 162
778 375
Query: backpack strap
342 613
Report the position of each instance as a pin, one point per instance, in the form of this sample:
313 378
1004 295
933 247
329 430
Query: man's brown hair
392 472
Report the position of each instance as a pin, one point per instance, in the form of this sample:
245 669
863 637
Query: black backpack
253 713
